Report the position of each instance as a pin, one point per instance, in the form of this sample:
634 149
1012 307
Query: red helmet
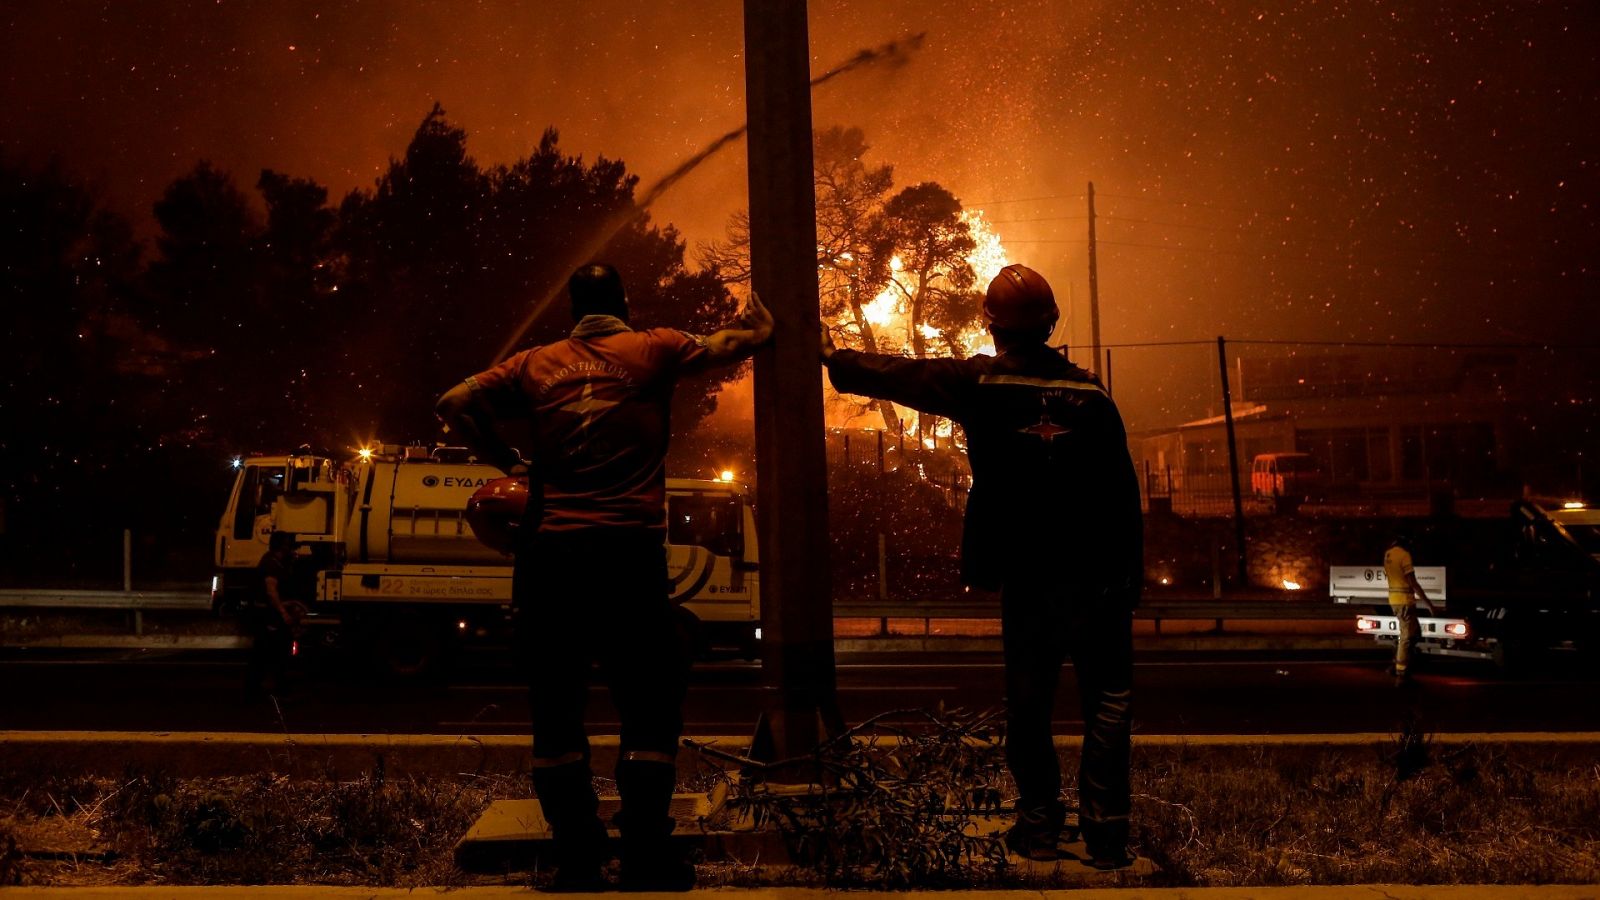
1019 298
495 511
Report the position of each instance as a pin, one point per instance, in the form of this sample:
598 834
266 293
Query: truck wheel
408 646
1512 657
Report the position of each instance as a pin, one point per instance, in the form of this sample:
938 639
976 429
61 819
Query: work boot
1108 859
578 837
650 861
1037 831
1107 844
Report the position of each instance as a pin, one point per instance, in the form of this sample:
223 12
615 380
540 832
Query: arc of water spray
894 53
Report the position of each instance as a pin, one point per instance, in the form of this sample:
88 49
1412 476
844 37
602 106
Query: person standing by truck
1054 523
590 580
1404 592
273 618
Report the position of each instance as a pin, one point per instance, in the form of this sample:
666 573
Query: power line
1023 199
1464 254
1184 203
1259 233
1355 265
1040 219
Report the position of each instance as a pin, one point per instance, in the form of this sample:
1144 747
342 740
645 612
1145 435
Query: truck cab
298 493
1544 590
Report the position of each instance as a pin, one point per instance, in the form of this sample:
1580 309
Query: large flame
989 257
889 313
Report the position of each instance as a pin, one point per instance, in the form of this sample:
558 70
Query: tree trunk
869 342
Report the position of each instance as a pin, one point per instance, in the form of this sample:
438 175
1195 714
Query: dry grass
262 829
1493 814
1407 812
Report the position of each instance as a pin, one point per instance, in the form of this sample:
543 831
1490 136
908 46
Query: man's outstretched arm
930 385
739 342
464 412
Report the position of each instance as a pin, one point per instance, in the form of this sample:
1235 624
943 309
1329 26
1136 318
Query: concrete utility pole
791 470
1094 288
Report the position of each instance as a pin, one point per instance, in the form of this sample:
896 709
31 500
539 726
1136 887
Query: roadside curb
345 756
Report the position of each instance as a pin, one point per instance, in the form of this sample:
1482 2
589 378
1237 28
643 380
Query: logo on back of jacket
589 403
1051 420
1047 429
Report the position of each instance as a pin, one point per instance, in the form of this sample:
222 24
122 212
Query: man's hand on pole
739 341
757 317
827 343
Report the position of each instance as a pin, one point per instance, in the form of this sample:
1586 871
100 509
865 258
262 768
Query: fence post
883 569
127 578
1233 458
1216 568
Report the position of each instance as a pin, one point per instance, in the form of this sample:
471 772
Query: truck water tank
418 515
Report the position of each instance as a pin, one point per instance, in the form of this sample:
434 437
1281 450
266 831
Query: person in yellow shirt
1404 592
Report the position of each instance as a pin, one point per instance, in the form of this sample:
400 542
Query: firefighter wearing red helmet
595 532
1053 522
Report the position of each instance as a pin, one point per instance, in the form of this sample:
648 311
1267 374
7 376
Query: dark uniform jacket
1053 488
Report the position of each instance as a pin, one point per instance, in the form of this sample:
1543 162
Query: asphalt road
1211 694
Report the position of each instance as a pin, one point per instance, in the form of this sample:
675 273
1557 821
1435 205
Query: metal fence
940 461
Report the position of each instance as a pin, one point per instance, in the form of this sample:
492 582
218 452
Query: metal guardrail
1170 609
136 603
1163 609
68 599
172 608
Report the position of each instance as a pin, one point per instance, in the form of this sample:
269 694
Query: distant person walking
1404 592
590 581
1053 522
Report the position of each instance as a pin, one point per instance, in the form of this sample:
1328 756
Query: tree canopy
271 317
893 269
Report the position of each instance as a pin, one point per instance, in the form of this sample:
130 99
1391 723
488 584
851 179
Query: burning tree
851 271
926 241
898 274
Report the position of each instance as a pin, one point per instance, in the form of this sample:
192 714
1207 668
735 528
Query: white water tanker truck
386 560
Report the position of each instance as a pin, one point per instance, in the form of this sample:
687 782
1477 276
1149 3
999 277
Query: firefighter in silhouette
590 581
1053 522
273 618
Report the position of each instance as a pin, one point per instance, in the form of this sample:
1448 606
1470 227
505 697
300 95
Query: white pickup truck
1439 635
1532 589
